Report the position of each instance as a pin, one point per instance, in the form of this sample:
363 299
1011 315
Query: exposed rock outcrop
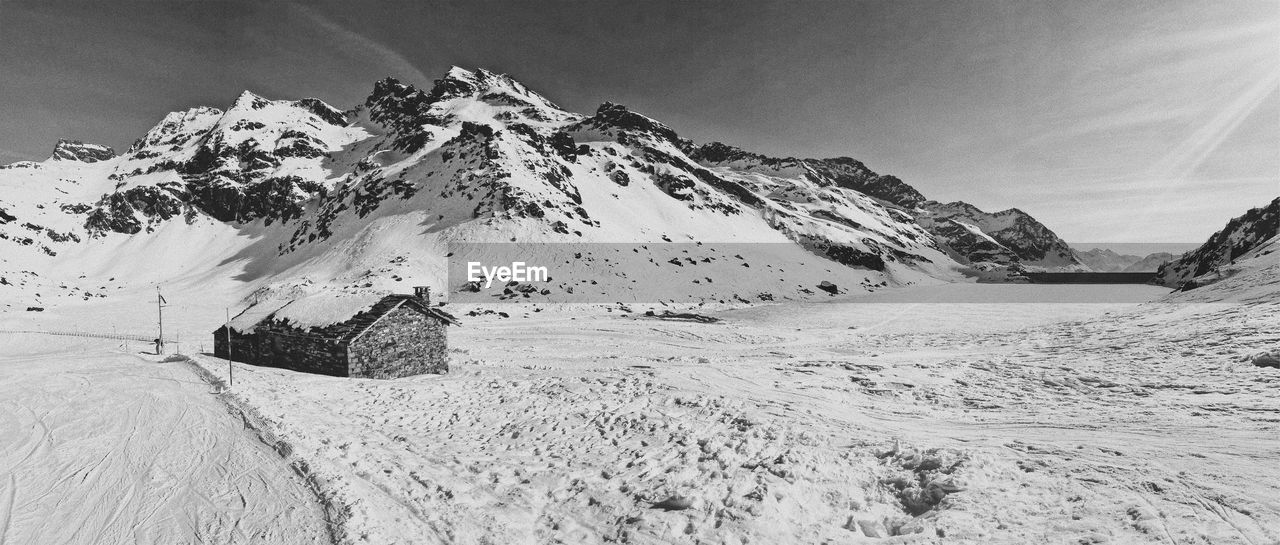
75 150
839 171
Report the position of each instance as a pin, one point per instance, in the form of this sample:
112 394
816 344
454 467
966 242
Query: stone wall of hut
403 343
244 348
288 348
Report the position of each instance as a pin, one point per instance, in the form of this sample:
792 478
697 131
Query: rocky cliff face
1241 236
839 171
75 150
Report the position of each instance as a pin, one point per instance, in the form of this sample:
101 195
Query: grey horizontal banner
640 273
740 273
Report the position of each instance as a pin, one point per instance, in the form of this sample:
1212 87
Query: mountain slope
1016 236
1247 237
283 196
962 230
840 171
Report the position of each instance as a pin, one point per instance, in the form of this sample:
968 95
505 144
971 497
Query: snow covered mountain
1249 237
840 171
962 230
284 196
260 159
1107 260
1008 236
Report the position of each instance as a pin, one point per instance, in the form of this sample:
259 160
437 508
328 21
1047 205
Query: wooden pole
160 314
230 378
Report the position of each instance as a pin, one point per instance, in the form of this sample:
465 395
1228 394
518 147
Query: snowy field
1042 414
911 421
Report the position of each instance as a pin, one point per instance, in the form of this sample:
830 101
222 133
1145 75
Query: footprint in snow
674 503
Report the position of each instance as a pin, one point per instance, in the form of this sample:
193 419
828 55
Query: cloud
353 41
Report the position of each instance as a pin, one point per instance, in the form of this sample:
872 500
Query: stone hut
346 336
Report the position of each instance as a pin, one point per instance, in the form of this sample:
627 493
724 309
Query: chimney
423 293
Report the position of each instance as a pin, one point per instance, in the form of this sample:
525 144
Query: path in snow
102 446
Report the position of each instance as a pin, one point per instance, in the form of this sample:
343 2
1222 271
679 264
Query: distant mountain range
1107 260
300 193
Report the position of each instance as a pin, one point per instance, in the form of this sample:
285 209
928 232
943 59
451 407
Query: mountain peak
620 117
458 82
177 127
249 100
481 96
458 72
75 150
322 110
389 87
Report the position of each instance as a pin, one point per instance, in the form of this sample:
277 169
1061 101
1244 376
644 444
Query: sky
1135 121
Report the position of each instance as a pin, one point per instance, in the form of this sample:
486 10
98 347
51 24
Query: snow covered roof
250 317
332 316
324 309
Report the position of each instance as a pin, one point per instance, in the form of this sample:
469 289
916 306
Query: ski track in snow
102 446
961 423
